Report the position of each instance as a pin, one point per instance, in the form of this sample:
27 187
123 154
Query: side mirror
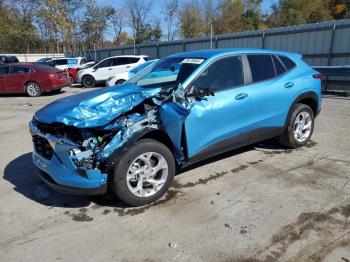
200 93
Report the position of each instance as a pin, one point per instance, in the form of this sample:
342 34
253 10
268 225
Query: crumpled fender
95 108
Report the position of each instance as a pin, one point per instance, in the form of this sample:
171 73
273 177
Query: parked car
32 79
4 59
121 78
65 63
109 67
135 136
43 60
73 71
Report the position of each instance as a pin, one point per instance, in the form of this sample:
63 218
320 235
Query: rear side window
107 63
61 62
278 66
4 70
288 63
127 60
20 70
261 67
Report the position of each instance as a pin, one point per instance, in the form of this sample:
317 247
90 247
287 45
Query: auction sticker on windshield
196 61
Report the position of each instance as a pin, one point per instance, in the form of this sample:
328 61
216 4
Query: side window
289 64
4 70
107 63
278 66
261 67
222 74
123 60
61 62
134 60
20 70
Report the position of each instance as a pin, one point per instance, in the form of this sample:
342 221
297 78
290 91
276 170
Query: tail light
52 75
322 78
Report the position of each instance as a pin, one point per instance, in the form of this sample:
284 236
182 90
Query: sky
158 6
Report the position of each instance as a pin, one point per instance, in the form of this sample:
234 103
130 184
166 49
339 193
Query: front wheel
89 81
300 127
143 174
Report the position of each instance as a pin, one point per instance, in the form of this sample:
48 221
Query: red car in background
32 79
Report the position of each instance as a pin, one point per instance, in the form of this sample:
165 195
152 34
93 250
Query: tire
33 89
89 81
119 82
300 127
127 175
71 79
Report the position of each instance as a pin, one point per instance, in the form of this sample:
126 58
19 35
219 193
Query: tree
138 13
171 18
294 12
191 20
118 21
231 17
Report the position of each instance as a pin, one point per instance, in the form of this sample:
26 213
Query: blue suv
184 108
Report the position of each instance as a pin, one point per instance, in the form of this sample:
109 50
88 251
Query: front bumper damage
56 168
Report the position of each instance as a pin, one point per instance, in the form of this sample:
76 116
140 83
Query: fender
299 98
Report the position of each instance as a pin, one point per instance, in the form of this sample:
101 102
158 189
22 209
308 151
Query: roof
209 53
17 64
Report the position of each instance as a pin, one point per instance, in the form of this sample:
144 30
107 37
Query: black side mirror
200 93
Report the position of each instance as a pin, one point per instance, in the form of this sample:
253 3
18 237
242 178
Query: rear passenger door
17 78
3 75
271 90
125 64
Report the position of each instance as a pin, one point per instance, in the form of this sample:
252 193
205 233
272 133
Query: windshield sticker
192 61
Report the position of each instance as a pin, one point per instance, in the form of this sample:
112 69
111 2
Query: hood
94 108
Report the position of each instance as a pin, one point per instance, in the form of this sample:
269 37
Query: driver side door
219 123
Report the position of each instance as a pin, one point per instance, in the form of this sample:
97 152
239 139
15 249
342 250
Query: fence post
157 50
138 49
183 46
263 40
330 53
216 42
122 50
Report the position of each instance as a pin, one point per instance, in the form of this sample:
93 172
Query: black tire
33 89
121 166
288 138
71 79
89 81
119 82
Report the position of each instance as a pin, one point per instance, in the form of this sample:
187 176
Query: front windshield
167 72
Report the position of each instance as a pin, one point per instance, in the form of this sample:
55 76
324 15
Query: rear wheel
300 127
33 89
119 82
71 79
143 174
89 81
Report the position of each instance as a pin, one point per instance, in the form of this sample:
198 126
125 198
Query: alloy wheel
302 126
147 174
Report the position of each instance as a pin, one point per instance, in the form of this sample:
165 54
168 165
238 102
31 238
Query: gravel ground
259 203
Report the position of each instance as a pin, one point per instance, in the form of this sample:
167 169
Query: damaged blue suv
182 109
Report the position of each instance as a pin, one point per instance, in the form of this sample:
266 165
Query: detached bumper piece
70 190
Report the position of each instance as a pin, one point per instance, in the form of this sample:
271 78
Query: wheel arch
308 98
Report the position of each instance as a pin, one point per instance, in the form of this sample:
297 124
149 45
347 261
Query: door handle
288 85
109 68
241 96
128 66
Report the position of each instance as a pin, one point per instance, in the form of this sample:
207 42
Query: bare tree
171 18
138 13
118 21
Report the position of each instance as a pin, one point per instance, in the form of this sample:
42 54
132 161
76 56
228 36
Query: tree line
71 25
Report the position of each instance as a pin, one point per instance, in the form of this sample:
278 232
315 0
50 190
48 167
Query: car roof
17 64
209 53
137 56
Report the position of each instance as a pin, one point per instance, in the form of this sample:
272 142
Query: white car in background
109 67
121 78
63 63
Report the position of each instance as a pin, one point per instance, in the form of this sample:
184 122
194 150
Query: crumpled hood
94 108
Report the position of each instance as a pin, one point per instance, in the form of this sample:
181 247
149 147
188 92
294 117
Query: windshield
142 66
167 72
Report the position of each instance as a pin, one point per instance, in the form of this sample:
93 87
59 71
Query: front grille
42 147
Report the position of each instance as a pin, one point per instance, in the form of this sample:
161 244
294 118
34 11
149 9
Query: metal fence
321 44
